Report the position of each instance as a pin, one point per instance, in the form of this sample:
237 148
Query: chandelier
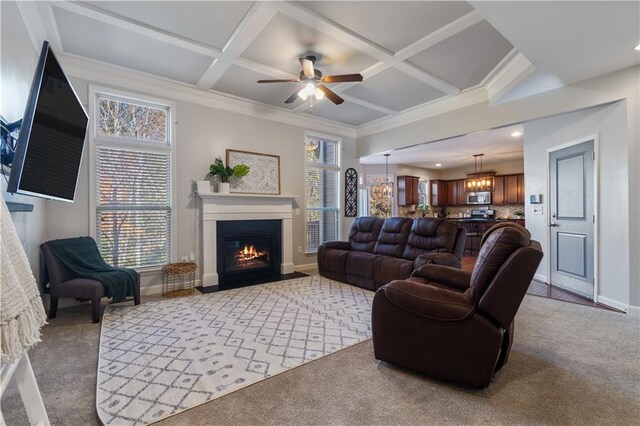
479 181
383 191
388 185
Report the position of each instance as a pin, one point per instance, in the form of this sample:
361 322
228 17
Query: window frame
116 142
337 168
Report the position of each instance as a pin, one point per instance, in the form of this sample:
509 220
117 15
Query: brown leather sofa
383 250
457 325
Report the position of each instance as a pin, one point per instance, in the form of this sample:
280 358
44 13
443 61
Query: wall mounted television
49 148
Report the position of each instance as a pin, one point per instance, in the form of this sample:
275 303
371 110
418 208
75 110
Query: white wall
608 122
619 85
203 133
18 62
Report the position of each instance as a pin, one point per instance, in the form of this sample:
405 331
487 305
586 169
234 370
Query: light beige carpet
570 364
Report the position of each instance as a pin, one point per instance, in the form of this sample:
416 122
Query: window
133 196
322 191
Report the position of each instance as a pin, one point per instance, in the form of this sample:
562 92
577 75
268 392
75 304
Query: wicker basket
178 279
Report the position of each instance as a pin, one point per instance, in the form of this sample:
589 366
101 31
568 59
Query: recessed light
516 134
438 164
637 47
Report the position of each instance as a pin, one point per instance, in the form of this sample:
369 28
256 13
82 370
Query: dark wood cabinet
461 192
509 189
456 193
438 193
452 193
498 192
408 190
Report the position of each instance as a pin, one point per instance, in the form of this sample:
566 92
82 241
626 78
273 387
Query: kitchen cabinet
498 192
461 192
408 190
438 193
456 193
509 189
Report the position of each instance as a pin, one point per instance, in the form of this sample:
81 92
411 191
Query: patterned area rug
158 359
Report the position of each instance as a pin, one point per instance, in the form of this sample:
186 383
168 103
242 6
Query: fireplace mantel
215 207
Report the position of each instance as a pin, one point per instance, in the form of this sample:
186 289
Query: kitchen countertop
480 219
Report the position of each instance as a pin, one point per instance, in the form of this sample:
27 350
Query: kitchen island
476 227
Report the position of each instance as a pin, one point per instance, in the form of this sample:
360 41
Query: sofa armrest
429 301
451 277
340 245
444 259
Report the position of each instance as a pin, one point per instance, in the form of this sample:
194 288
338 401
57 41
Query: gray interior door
572 218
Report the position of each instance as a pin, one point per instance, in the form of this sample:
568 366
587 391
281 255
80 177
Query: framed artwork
263 176
351 193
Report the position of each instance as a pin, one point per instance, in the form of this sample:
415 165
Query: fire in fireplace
248 250
248 258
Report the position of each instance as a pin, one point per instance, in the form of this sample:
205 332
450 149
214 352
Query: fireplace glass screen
244 254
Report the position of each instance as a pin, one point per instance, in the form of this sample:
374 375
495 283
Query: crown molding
420 112
120 77
511 73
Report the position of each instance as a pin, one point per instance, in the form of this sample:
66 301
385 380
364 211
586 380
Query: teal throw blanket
82 257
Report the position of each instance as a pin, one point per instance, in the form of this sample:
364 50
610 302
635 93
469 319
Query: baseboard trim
613 304
305 266
156 289
540 278
634 311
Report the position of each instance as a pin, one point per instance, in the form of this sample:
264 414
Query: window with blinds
322 191
133 183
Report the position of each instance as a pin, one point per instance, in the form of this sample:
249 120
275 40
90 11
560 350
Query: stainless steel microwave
479 197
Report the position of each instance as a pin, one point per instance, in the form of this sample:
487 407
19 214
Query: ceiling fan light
307 91
319 94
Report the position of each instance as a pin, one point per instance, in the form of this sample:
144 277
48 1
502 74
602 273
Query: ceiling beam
315 20
263 69
439 35
251 25
101 15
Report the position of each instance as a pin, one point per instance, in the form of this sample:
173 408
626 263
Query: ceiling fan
313 80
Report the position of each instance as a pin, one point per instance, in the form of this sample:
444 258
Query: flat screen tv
51 140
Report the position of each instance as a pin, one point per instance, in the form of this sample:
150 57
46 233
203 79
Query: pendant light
388 189
479 182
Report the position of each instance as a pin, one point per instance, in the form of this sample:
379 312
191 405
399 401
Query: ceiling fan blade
278 81
307 68
341 78
293 97
331 95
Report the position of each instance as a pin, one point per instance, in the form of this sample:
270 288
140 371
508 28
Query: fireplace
248 251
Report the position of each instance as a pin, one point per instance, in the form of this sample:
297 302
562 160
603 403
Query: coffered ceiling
411 54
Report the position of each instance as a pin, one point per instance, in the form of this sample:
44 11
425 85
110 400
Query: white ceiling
497 145
410 53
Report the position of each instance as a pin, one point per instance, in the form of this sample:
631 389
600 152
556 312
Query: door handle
553 225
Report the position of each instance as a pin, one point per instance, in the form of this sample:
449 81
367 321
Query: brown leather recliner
457 325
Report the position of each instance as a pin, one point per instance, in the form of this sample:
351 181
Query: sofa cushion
430 235
364 233
387 269
393 236
359 268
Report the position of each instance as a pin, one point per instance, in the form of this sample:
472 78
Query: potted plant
424 208
225 173
519 214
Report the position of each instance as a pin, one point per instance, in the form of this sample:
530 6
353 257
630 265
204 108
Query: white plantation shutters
133 183
322 191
